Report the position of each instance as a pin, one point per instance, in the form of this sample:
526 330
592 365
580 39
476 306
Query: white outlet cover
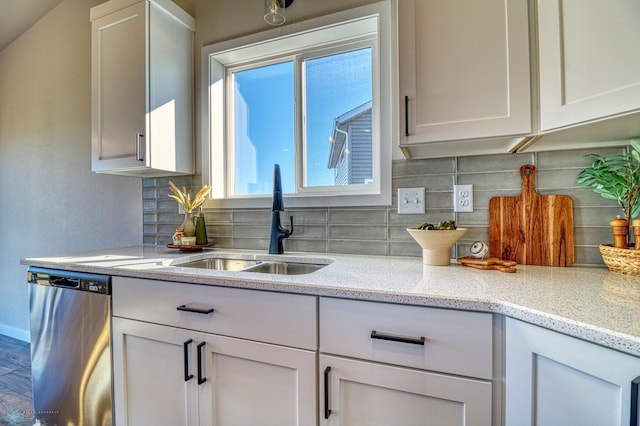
463 198
411 201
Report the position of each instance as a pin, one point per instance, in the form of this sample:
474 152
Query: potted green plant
617 177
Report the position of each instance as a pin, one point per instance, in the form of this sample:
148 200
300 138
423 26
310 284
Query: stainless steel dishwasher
70 315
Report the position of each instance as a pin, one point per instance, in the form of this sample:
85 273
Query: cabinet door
251 383
589 60
553 379
464 65
149 375
119 89
360 393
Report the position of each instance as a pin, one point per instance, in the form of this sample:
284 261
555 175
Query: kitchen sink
266 266
285 268
220 264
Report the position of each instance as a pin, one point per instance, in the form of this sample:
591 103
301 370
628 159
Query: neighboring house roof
339 136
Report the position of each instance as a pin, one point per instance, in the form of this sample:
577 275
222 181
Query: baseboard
16 333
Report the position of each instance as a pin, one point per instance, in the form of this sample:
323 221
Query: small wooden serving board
532 229
489 263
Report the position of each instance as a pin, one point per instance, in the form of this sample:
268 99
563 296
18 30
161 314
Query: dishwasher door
71 356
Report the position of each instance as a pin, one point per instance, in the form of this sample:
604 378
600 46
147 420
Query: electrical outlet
410 200
463 198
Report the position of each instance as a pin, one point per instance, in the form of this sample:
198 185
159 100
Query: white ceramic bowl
436 244
188 241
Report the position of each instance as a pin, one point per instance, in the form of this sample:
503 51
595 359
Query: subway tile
374 248
251 244
304 245
309 232
218 216
358 216
439 200
149 194
430 183
397 248
358 232
493 163
592 236
255 217
497 180
309 217
572 159
588 255
594 216
148 183
241 230
403 168
220 230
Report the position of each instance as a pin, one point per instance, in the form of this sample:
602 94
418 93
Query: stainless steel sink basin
220 264
264 266
285 268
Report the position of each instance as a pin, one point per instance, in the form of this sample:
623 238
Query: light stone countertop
590 303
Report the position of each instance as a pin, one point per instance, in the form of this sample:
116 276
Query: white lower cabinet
362 393
385 364
170 376
553 379
190 355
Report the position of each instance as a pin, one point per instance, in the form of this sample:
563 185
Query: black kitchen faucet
278 233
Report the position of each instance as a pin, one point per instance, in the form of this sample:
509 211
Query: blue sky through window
264 117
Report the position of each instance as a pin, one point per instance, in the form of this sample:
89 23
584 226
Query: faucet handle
290 231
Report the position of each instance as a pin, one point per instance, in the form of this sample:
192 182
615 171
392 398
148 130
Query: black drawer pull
397 338
327 410
195 310
201 379
185 348
634 401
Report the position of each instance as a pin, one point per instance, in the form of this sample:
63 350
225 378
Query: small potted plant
617 177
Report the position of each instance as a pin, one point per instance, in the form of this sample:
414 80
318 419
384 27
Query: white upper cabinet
142 88
589 55
464 70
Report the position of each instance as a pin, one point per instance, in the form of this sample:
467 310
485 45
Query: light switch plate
411 201
463 198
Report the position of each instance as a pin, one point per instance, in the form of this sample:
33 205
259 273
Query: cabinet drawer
280 318
458 342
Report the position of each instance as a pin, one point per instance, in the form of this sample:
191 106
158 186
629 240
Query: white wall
50 201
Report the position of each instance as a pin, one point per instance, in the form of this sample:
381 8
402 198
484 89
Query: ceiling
17 16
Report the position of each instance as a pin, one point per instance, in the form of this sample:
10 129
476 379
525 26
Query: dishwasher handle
67 282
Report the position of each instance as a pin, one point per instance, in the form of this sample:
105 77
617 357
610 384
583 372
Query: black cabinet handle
195 310
406 116
327 410
185 348
634 401
396 338
201 379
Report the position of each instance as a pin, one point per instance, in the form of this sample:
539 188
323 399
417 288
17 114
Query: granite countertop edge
589 303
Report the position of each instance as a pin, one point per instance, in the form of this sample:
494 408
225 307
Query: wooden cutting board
532 229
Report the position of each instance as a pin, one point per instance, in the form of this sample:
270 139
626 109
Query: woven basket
622 261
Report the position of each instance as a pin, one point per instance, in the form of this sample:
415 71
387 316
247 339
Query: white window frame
264 46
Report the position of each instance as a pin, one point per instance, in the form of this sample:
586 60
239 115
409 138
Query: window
318 101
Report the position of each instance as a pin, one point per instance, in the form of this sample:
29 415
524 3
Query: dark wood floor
16 406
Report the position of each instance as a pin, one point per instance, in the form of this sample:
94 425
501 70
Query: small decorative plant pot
436 244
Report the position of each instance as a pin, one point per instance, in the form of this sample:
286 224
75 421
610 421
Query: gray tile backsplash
380 230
